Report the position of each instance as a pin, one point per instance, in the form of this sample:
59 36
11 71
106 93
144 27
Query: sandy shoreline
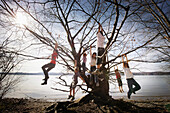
16 105
133 98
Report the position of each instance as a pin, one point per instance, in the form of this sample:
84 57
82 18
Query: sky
41 50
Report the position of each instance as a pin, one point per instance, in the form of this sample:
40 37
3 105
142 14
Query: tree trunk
103 88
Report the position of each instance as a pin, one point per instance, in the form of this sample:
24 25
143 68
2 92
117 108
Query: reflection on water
31 87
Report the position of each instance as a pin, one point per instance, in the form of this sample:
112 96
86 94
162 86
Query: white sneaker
97 84
101 79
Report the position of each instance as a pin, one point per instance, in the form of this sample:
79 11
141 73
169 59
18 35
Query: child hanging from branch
130 78
47 67
75 81
100 46
119 80
93 77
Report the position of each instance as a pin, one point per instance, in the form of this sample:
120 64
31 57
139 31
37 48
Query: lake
153 86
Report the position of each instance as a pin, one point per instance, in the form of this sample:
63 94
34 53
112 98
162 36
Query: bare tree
8 61
152 18
75 22
8 53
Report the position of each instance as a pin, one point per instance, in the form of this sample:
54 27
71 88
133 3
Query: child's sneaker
101 79
73 98
97 84
44 83
69 96
90 82
129 94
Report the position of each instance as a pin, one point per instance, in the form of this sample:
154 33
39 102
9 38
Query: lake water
153 86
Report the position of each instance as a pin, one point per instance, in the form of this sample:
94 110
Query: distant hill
151 73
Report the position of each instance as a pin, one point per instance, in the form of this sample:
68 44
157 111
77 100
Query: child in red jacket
47 67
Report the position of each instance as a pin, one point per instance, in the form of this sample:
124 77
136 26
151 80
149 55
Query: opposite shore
52 73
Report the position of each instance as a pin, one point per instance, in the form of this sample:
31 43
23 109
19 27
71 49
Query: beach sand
15 105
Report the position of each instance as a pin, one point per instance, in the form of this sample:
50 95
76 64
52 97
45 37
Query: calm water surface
152 86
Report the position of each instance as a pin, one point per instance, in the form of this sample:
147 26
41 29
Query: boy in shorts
119 80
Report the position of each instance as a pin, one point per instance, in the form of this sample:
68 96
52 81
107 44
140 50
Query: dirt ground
13 105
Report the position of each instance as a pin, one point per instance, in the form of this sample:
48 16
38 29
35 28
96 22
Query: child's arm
123 61
99 28
126 59
84 51
56 45
75 63
82 78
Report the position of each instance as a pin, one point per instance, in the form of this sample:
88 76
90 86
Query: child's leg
120 89
82 78
96 80
92 79
74 87
73 92
137 86
49 66
73 97
121 84
100 60
70 94
70 91
129 81
84 67
44 69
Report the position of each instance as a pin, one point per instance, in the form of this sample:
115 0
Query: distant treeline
151 73
135 73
